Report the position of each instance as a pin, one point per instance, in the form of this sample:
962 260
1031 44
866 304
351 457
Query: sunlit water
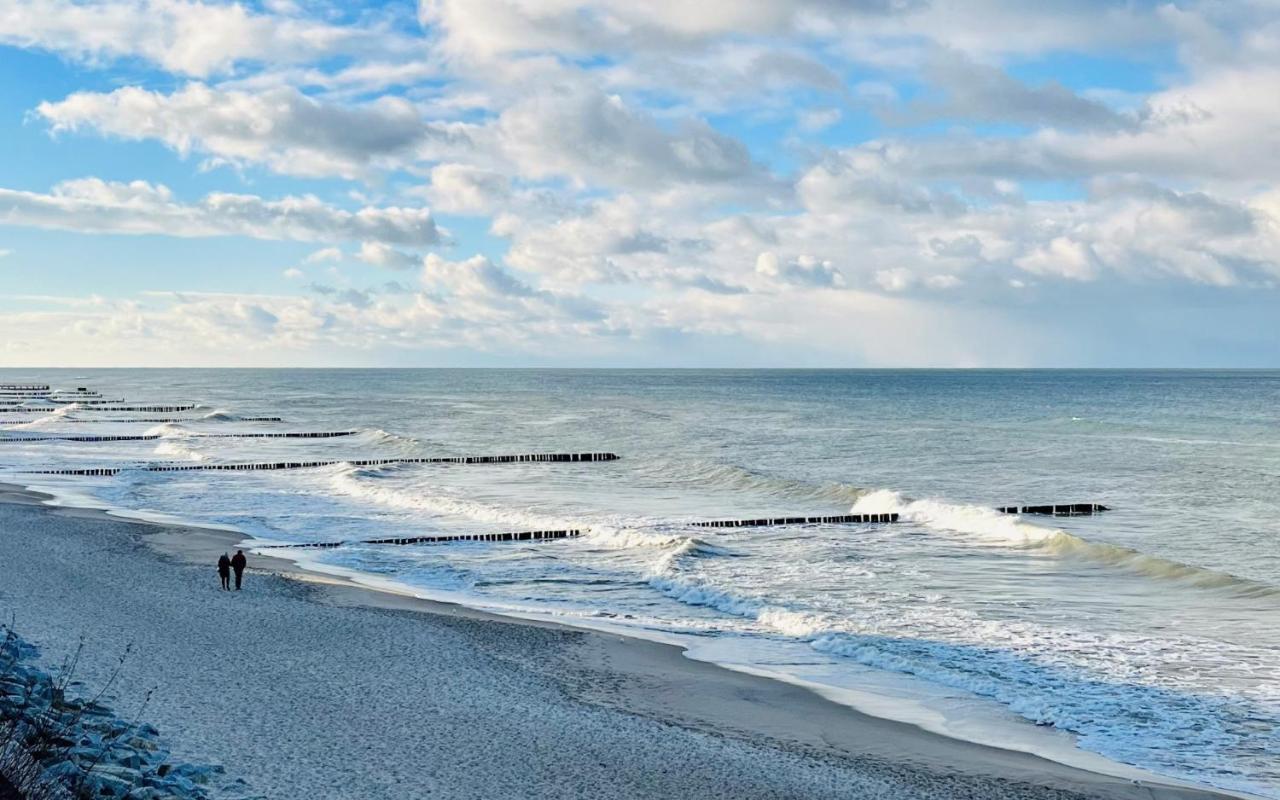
1149 632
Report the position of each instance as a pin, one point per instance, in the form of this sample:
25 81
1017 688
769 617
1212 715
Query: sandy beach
316 689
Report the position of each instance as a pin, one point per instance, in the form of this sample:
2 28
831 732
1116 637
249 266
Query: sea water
1147 634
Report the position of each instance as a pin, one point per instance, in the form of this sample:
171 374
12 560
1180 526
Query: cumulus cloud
592 137
805 270
282 128
182 36
381 255
324 255
709 164
466 189
487 28
986 93
95 205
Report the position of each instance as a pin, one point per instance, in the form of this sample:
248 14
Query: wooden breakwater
24 387
151 409
147 437
67 420
839 519
1057 510
571 533
517 536
367 462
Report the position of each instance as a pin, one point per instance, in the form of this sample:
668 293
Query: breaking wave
990 527
375 485
177 449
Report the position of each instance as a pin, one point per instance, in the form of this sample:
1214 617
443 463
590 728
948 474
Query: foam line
375 462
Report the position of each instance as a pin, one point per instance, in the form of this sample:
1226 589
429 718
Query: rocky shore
58 741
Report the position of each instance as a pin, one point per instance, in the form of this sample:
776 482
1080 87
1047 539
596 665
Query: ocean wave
613 538
990 527
693 591
218 415
731 476
380 438
1160 724
177 449
372 485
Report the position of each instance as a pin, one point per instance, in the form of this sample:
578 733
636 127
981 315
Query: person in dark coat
238 562
224 571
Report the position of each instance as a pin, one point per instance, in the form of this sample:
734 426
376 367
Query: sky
720 183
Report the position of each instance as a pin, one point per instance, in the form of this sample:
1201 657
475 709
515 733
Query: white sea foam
990 527
178 449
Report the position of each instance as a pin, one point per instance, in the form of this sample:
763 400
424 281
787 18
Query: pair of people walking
226 565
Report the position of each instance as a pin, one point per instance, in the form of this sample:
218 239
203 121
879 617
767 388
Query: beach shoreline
800 735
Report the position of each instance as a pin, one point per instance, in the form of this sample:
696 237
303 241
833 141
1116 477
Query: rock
65 773
125 757
112 780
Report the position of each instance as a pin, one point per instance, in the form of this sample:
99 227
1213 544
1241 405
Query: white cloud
182 36
804 270
98 206
282 128
465 189
381 255
293 274
659 172
818 119
323 255
595 138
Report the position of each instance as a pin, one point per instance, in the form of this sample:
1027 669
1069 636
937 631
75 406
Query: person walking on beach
224 571
238 562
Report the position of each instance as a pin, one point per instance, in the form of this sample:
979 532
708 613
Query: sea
1145 638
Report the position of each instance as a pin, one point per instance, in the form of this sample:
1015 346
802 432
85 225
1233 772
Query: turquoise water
1147 633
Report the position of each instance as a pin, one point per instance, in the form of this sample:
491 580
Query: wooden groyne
839 519
24 387
370 462
1057 510
146 437
571 533
70 421
517 536
151 409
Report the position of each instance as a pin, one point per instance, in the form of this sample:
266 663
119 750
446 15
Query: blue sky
601 183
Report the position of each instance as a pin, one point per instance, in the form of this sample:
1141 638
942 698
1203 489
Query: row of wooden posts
69 420
154 409
571 533
364 462
147 437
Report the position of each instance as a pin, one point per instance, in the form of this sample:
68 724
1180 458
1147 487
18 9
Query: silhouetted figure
238 562
224 571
